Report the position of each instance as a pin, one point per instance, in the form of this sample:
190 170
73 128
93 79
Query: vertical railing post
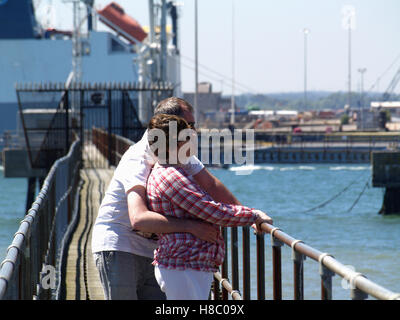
28 294
235 261
355 293
276 266
298 271
260 267
109 147
224 268
246 263
216 289
123 107
66 107
326 278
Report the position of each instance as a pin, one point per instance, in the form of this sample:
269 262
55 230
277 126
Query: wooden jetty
82 277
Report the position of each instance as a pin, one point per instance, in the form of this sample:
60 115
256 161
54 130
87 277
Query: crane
392 86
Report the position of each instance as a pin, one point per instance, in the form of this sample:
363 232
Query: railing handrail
9 265
359 285
356 279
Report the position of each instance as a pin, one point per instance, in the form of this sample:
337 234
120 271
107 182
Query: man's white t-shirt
112 230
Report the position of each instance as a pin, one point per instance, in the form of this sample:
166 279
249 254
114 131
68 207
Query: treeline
316 100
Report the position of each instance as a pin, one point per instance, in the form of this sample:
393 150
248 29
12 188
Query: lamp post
196 72
362 71
306 32
348 23
233 66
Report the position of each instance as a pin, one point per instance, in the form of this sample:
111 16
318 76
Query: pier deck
82 277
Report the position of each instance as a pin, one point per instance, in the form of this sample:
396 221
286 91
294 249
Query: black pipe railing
32 264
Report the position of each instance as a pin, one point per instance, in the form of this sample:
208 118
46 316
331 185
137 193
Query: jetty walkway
82 278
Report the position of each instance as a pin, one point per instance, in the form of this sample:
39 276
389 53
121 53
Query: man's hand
204 230
262 218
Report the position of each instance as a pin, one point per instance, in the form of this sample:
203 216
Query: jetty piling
386 174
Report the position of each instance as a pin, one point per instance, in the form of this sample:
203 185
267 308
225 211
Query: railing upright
260 267
235 258
276 266
246 263
298 272
225 264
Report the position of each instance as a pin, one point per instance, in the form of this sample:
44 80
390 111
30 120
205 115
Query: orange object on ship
114 16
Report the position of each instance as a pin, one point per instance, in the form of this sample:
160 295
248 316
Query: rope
359 196
323 204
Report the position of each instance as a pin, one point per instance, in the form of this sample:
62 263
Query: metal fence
112 147
223 288
31 269
51 113
347 139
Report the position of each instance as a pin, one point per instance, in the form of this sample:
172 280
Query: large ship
125 52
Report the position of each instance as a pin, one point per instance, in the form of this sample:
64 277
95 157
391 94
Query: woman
184 264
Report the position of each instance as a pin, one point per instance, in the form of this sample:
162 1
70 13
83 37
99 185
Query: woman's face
186 148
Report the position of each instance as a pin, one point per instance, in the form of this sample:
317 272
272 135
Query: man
123 256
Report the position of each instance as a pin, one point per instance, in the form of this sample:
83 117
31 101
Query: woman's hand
262 218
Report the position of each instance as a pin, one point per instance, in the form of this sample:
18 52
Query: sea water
12 209
332 208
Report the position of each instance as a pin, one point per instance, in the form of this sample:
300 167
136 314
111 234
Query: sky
268 51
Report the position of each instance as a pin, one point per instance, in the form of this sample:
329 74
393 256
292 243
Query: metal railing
112 147
31 265
360 286
348 142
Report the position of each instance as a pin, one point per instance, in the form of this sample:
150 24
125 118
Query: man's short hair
172 106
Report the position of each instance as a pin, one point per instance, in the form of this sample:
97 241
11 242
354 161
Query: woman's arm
187 195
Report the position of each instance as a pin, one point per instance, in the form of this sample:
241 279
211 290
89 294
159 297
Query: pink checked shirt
171 193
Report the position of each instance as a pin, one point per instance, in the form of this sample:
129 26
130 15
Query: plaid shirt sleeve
187 195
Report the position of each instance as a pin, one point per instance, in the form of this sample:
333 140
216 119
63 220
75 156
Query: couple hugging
157 234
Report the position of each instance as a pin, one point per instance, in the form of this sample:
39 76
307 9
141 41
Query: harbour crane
392 86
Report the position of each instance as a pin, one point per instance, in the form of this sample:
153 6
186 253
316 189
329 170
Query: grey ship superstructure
30 54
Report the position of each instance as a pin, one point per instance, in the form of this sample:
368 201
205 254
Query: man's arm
215 188
148 221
